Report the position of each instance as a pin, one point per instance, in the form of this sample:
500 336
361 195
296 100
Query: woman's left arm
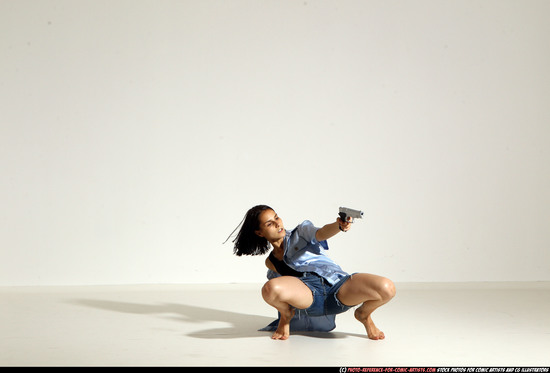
332 229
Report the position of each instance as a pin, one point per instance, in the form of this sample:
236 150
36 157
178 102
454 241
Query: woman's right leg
286 293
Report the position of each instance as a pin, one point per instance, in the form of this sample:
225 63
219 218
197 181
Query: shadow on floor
242 325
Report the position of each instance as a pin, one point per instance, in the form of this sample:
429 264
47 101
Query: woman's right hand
345 225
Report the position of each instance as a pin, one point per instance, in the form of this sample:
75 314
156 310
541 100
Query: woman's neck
279 245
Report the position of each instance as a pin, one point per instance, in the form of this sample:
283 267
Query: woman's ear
258 233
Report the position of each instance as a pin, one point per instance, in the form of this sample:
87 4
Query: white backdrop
135 135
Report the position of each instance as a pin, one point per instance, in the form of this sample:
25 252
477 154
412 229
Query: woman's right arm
332 229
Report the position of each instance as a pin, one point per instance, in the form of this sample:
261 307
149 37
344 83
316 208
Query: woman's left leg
371 290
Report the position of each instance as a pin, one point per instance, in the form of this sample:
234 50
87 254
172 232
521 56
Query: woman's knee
271 290
387 289
289 290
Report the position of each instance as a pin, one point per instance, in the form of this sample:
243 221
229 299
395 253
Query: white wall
135 135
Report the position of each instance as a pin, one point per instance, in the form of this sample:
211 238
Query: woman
302 277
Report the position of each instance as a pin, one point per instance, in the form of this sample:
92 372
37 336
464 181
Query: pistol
345 212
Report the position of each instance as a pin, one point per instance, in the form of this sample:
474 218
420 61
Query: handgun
345 212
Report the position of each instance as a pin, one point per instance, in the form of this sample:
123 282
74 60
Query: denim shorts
325 301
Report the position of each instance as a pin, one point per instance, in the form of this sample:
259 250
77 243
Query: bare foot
283 329
372 331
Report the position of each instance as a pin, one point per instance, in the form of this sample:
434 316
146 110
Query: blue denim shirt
305 254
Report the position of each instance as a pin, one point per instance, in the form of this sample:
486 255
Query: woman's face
271 226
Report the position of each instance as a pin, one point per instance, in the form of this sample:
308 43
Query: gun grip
343 216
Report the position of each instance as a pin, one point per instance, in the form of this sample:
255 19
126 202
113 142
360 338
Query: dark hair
247 241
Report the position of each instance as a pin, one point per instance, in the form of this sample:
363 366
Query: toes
279 336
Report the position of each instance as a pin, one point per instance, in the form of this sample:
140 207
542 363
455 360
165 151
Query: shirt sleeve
307 232
303 239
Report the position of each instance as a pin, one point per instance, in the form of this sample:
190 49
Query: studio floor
453 324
